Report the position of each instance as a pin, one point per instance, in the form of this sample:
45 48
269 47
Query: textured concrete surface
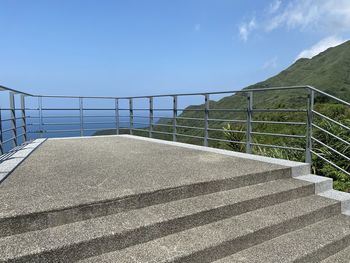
309 245
126 199
297 168
342 256
105 234
63 173
213 241
342 197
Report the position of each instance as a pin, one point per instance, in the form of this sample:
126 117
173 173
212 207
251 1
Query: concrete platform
67 172
133 199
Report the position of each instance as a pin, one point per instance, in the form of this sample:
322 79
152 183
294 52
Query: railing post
174 117
1 137
24 120
13 118
150 117
310 108
81 111
206 117
131 116
41 125
116 102
249 122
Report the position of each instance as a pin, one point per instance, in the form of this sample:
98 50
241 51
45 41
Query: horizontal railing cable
164 114
331 134
331 163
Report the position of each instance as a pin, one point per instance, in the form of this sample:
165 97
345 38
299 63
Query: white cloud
321 46
197 27
270 64
320 15
327 17
246 28
274 6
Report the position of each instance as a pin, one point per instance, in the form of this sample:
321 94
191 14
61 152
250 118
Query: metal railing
23 123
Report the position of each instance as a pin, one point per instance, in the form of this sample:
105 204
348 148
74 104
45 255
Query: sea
64 126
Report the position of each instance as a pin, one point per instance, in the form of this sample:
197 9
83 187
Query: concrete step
222 238
308 245
104 234
342 256
58 212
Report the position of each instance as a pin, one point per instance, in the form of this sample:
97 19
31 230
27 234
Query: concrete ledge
324 187
342 197
7 166
297 168
3 176
34 144
322 184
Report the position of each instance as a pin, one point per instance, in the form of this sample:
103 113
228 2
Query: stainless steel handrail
174 125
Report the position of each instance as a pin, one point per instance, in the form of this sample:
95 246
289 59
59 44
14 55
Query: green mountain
329 71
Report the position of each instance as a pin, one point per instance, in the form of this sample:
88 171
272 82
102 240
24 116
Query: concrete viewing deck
131 199
68 172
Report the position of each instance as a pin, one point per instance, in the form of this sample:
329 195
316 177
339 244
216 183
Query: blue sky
121 48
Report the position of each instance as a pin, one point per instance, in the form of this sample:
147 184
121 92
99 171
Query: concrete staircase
274 220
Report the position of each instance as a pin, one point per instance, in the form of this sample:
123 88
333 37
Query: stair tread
308 244
275 220
137 171
35 210
342 256
118 224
